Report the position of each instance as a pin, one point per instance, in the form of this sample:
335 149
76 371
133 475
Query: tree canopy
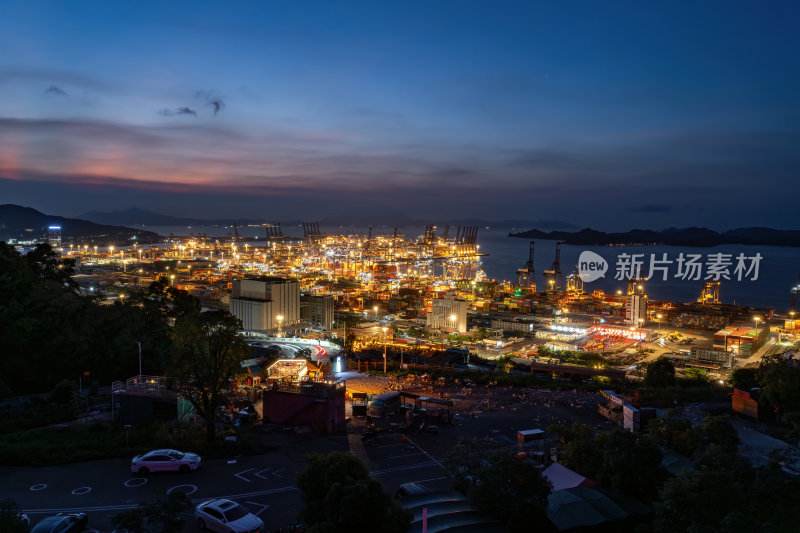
44 318
510 489
626 461
161 516
660 373
779 377
208 353
340 497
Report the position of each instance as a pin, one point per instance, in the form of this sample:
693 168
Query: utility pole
139 344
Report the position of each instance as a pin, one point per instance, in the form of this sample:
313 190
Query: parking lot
265 483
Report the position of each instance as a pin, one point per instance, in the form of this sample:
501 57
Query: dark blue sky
609 114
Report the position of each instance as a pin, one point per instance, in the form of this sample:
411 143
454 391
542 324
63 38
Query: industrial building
319 406
317 311
742 341
636 310
448 314
266 303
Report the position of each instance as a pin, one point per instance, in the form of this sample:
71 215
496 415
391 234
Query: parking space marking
81 490
38 486
140 481
108 508
258 474
263 507
194 489
240 476
427 454
406 455
432 479
401 468
278 472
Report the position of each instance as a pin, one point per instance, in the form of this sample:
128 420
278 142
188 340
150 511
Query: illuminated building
266 303
636 310
448 314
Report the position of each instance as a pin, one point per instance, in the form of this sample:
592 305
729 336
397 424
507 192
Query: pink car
165 460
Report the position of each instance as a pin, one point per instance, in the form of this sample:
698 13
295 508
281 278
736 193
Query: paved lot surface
265 483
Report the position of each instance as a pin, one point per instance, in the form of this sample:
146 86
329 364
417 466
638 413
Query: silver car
165 460
226 516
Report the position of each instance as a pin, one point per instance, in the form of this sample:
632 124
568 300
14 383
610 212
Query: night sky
605 114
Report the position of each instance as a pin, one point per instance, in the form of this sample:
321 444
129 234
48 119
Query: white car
226 516
165 460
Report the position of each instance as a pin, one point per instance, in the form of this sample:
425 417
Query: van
384 404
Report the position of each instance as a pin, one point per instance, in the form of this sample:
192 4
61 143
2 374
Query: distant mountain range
671 237
140 217
26 223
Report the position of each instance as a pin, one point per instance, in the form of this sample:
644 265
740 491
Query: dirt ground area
472 399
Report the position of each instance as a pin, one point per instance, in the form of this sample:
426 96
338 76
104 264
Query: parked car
226 516
62 523
164 460
410 489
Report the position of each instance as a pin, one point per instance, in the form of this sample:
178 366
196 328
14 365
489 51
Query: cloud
212 99
56 90
166 112
68 77
653 208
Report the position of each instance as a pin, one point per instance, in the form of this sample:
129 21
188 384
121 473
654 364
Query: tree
11 518
579 450
696 374
512 490
626 461
209 352
676 433
157 517
779 377
630 462
718 431
701 500
744 378
480 333
660 373
340 497
466 459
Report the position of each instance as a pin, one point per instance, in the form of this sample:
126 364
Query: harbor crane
710 293
553 275
527 273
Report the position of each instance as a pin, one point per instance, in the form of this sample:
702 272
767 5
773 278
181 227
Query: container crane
527 273
553 276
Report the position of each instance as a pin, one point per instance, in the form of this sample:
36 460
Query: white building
636 310
267 303
448 314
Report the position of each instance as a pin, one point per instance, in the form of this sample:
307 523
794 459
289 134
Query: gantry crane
527 274
553 276
710 293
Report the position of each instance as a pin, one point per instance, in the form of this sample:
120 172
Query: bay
778 269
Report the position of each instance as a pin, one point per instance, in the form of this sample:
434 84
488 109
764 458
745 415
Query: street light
280 325
453 322
756 319
376 312
384 350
